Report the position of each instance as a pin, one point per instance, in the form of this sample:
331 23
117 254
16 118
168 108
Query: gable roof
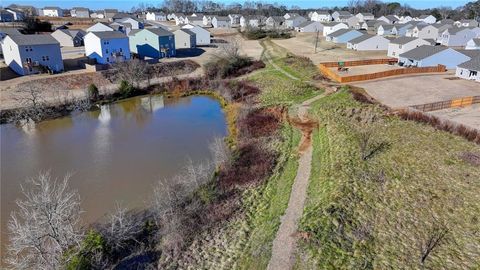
342 12
469 53
221 18
362 38
52 8
423 52
109 34
277 18
365 14
391 18
333 23
387 26
10 31
307 23
33 39
476 41
403 40
472 64
159 31
424 16
341 32
455 30
322 12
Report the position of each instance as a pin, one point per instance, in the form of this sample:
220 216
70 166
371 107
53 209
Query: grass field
385 211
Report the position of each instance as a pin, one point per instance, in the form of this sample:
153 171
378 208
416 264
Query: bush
226 68
255 34
126 89
91 248
93 92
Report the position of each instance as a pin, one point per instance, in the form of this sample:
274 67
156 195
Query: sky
127 4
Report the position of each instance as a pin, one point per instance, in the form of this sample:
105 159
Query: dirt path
284 244
270 60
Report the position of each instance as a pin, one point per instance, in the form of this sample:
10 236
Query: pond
115 154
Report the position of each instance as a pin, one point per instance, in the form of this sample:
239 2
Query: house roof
222 18
387 26
72 32
109 34
307 23
455 30
424 16
277 18
322 12
52 8
403 40
10 31
80 9
159 31
185 31
472 64
343 12
362 38
111 10
476 41
365 14
33 39
341 32
391 17
423 52
469 53
332 23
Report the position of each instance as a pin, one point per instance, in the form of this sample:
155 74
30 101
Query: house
389 19
466 23
469 70
404 44
343 35
402 28
197 14
135 24
427 19
27 10
99 15
428 56
234 19
185 39
180 19
18 15
405 19
368 42
310 27
80 12
207 19
156 16
31 54
194 20
447 21
109 13
121 27
220 22
290 15
8 31
472 44
294 21
6 16
336 15
203 36
274 22
69 38
331 27
52 12
372 26
107 47
174 16
152 42
351 21
321 16
458 37
363 16
387 30
252 21
100 27
424 31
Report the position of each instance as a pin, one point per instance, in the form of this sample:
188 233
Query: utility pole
316 41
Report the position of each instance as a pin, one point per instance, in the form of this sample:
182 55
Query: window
106 50
28 60
121 50
108 59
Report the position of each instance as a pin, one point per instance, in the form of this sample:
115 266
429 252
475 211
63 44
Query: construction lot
303 44
469 116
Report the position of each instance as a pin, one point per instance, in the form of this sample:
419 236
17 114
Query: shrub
126 89
255 34
93 92
92 247
231 67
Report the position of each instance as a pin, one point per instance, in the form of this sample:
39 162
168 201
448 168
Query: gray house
343 35
152 42
31 54
427 56
80 12
469 70
109 13
185 39
69 38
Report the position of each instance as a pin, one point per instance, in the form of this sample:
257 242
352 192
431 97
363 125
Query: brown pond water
116 154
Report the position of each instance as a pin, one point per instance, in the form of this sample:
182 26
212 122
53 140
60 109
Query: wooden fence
361 62
327 71
454 103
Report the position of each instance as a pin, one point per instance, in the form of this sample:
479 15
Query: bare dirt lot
413 90
469 116
303 44
357 70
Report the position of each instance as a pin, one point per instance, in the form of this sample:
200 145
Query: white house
31 54
69 37
351 21
252 21
331 27
294 21
405 19
387 30
427 19
466 23
99 27
107 47
402 29
404 44
343 35
194 20
458 37
321 16
135 24
52 12
289 15
390 19
469 70
428 56
424 31
234 19
185 39
473 44
336 14
275 22
368 42
156 16
310 27
220 22
363 16
203 36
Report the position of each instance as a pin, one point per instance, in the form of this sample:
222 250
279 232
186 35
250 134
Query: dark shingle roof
469 53
159 31
10 31
33 39
187 31
361 38
341 32
109 34
423 52
472 64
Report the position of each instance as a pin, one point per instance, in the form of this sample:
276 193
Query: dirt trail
284 244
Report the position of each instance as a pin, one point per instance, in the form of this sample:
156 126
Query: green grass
377 213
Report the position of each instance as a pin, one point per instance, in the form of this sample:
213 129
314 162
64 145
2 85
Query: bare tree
231 49
134 71
435 236
121 228
220 152
29 95
46 225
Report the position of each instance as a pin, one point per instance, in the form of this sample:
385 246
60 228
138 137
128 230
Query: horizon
126 5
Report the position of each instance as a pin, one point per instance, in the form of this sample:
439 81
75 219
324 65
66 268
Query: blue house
343 35
152 42
428 56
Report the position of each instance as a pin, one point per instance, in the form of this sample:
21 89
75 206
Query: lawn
382 190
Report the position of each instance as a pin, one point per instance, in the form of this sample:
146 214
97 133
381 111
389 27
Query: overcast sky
127 4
